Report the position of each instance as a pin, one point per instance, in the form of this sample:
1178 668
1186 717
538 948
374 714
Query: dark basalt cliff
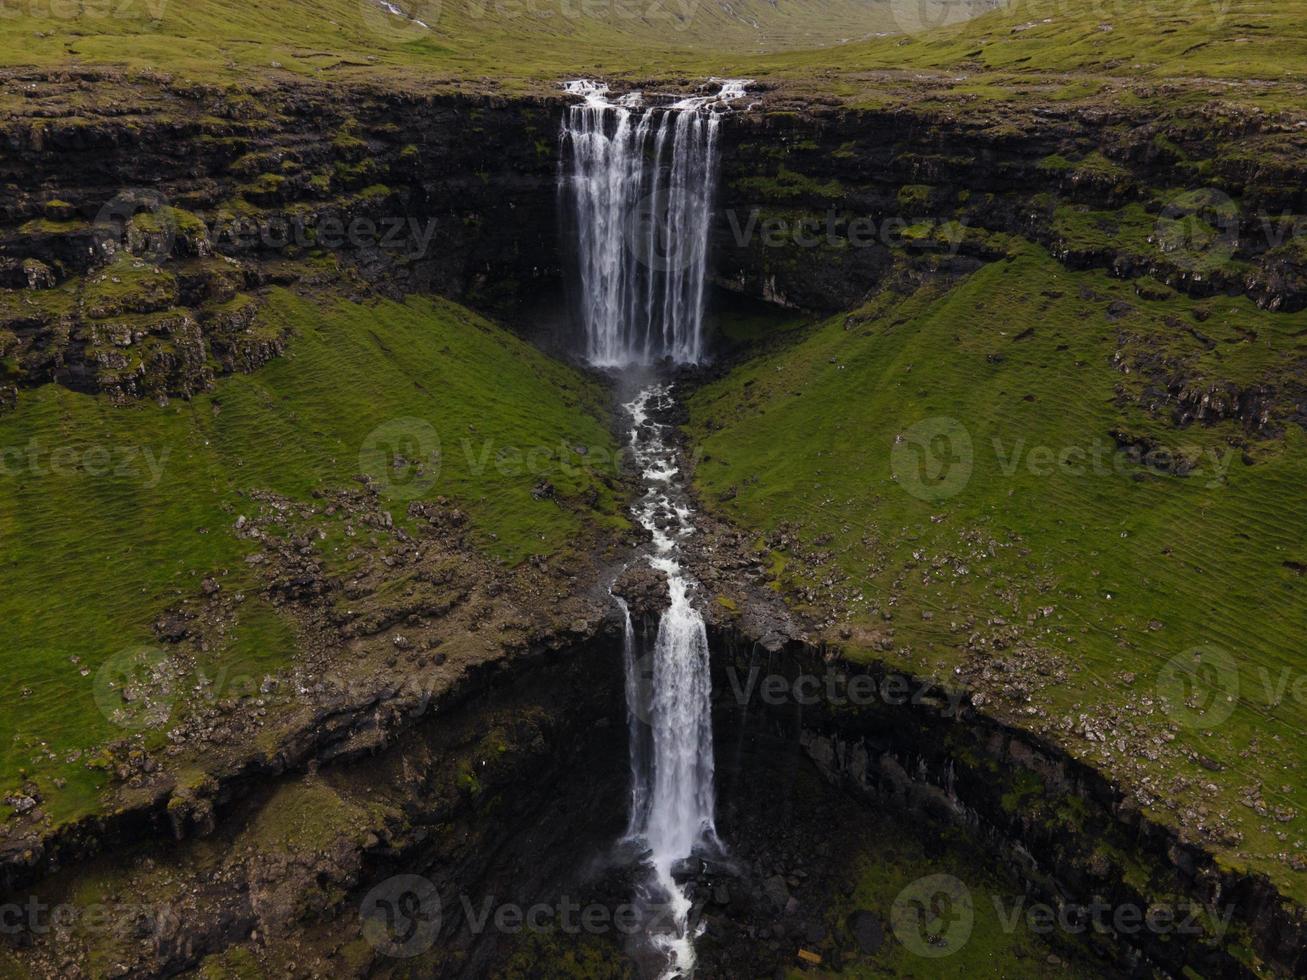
1206 200
399 192
381 191
915 748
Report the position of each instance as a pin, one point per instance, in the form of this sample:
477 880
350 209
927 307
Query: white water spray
640 182
672 798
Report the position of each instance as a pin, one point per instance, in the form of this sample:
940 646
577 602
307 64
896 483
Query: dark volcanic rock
644 590
866 930
408 194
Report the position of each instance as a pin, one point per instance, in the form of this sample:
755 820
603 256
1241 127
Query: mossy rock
57 210
349 148
128 285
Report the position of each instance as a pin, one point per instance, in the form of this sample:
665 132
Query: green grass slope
1204 38
501 39
1163 56
924 470
836 43
109 514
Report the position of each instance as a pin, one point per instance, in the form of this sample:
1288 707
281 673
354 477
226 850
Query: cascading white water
640 184
672 799
637 701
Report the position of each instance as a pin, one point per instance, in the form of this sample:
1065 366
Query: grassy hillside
839 43
501 39
109 514
1217 39
937 471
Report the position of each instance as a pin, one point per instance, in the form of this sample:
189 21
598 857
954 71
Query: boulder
866 930
644 589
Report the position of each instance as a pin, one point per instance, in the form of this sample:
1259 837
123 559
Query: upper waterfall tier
639 181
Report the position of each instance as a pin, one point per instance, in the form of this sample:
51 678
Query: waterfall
637 707
640 183
669 696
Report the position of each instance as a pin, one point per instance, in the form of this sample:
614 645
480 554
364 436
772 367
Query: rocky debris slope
390 633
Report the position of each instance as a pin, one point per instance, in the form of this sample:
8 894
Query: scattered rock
776 891
866 930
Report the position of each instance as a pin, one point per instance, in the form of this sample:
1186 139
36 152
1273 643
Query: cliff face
394 191
1064 830
821 208
140 220
1203 200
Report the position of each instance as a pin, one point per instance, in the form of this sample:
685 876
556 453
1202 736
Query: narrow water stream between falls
669 697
